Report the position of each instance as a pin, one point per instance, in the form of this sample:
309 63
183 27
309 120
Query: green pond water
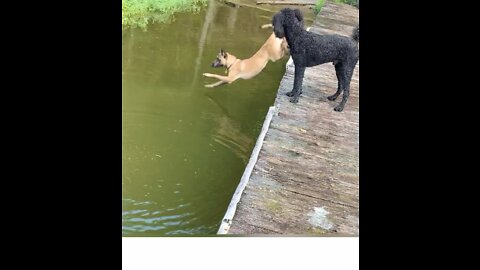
184 146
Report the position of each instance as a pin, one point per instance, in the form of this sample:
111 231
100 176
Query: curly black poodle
309 49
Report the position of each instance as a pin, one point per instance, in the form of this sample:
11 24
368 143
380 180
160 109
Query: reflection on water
209 16
184 146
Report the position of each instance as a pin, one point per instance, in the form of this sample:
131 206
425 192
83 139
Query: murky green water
184 146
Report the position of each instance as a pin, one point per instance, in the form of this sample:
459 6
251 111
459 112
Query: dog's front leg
220 77
215 84
297 84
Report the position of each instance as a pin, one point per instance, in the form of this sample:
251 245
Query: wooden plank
287 2
227 219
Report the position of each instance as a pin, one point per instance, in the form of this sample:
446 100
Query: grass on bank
138 13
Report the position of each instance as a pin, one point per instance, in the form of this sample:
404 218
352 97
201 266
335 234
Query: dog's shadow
211 98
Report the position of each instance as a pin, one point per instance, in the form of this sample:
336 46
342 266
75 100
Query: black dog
308 49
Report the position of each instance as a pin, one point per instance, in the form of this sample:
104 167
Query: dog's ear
277 22
224 53
298 14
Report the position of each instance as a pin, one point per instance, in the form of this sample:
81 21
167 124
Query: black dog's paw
338 108
294 99
332 98
290 94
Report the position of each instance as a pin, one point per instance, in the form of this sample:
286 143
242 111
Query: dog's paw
294 99
332 98
209 85
292 93
207 74
338 108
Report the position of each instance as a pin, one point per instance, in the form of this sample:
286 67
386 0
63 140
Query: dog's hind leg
338 70
346 77
215 84
297 84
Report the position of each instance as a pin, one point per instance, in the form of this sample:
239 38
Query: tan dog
273 50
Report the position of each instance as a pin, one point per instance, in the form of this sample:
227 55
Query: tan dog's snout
217 63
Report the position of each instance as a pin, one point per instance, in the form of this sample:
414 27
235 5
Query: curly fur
309 49
355 34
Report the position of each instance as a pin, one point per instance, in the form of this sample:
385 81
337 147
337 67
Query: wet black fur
309 49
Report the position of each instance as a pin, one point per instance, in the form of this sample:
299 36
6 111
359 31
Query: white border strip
232 207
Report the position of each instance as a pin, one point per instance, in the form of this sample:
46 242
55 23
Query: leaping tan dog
273 50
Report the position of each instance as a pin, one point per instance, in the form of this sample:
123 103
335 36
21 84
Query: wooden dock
288 2
305 181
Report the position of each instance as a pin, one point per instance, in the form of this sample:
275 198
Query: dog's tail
268 25
355 34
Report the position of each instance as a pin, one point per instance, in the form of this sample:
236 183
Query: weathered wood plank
287 2
305 180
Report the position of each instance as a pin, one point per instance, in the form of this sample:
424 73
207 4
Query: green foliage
318 6
138 13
